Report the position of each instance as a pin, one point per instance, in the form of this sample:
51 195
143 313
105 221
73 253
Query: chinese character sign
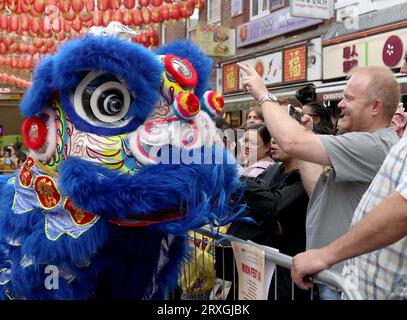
295 65
230 78
350 57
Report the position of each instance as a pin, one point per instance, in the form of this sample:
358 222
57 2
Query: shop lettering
350 55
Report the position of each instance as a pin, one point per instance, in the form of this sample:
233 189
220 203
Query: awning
244 101
330 91
334 90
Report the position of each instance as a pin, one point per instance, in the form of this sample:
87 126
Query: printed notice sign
254 273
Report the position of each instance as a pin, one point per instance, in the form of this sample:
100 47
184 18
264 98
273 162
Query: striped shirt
375 273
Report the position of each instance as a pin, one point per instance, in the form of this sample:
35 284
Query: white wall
364 6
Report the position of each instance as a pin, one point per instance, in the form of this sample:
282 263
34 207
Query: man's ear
377 106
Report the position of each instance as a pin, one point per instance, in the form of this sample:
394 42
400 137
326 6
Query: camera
294 113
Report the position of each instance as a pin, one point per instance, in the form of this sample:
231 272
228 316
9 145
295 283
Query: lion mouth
160 216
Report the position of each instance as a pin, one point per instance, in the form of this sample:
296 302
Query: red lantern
175 12
21 64
97 18
56 24
153 37
77 24
32 50
2 5
156 3
144 39
25 22
64 5
90 5
155 15
43 50
3 48
24 7
4 21
106 18
169 1
39 6
9 40
37 42
103 5
7 62
88 23
60 36
77 5
13 26
201 4
127 18
1 60
52 49
13 48
48 43
143 3
28 64
184 10
146 14
67 25
23 47
137 17
165 12
129 4
13 5
117 16
46 25
70 15
35 25
85 15
14 63
115 4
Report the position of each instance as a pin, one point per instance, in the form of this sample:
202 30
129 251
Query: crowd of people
329 191
332 187
12 158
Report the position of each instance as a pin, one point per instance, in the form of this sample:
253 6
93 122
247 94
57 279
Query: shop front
294 71
383 49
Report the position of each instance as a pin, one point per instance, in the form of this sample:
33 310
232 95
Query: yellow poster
215 40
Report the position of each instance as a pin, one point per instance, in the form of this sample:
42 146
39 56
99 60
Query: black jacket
277 201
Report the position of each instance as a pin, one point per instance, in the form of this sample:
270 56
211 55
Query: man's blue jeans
326 293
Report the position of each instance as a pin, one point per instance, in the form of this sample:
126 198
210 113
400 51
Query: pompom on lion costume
123 162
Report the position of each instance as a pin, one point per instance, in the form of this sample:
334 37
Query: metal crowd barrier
202 286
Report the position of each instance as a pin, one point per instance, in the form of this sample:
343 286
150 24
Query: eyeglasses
308 114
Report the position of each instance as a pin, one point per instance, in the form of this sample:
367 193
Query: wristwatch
267 97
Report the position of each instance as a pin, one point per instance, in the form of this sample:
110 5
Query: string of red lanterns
32 28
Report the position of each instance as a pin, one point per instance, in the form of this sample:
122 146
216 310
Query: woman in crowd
321 117
256 149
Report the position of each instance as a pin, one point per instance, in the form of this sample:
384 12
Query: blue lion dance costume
108 192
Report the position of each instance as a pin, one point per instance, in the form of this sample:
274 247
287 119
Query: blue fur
129 257
201 62
139 67
108 193
108 261
38 95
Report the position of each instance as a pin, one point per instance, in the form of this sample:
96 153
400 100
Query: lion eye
102 99
181 70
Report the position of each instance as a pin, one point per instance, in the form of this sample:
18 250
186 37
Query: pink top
399 121
255 169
